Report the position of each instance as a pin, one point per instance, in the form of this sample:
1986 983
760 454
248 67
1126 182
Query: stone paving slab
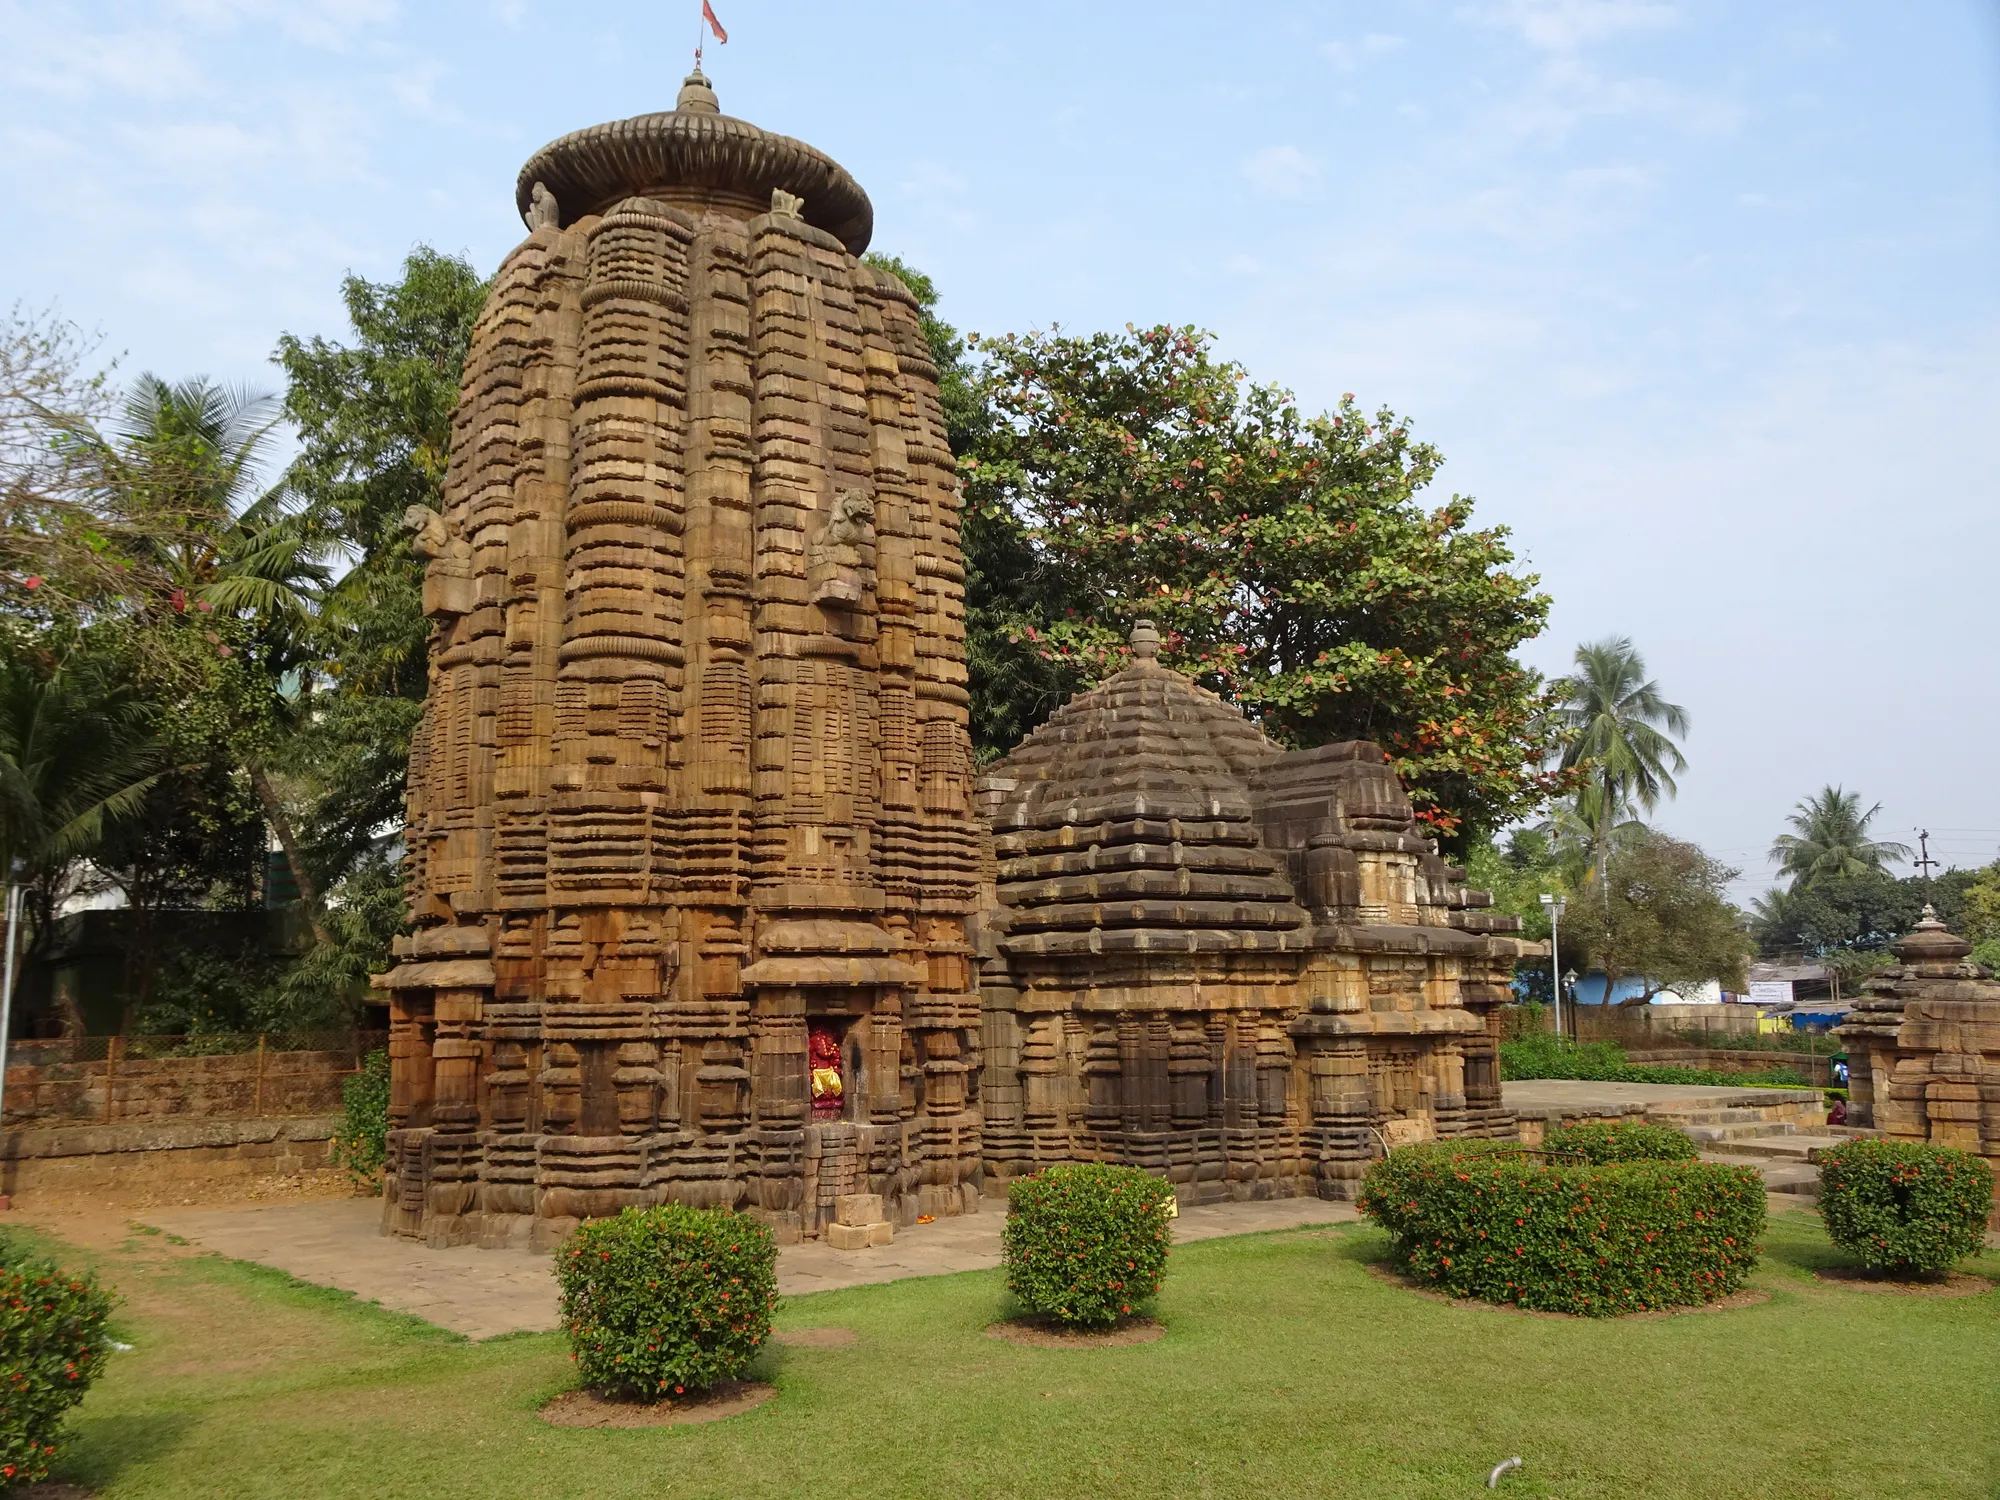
481 1293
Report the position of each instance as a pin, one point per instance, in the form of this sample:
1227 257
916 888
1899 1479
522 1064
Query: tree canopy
1830 840
1289 560
1660 914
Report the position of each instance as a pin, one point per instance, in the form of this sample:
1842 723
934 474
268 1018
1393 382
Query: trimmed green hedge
1086 1244
1600 1143
1484 1219
1903 1206
661 1301
1545 1056
53 1343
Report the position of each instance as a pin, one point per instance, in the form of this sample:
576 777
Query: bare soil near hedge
1285 1369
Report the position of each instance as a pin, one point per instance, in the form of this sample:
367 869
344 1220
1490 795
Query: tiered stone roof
1125 824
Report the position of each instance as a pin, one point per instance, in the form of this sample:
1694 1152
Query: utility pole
1553 905
14 894
1925 862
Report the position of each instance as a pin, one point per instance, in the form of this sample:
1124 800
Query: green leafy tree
1011 592
374 422
183 469
1830 840
1662 918
1518 875
1620 734
59 555
77 757
1288 559
1864 912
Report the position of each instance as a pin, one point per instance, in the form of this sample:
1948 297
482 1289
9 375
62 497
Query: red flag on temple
708 15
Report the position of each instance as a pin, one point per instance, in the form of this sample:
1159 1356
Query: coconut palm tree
1829 840
77 754
1622 732
183 468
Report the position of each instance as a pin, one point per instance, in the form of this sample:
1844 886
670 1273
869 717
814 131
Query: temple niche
1237 966
1923 1048
691 849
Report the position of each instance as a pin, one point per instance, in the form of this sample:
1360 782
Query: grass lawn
1286 1371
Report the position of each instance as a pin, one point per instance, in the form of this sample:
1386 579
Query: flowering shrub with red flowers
1903 1206
52 1345
1086 1244
1487 1219
661 1302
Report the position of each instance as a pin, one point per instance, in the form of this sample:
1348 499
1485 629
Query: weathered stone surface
860 1209
1240 967
1923 1048
691 849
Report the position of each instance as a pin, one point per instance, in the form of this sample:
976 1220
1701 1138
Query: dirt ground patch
1861 1279
1748 1297
100 1219
1042 1333
590 1409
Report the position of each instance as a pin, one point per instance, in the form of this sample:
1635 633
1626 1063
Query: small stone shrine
1240 967
1923 1047
693 863
691 846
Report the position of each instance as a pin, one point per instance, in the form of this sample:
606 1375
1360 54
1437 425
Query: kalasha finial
696 97
1145 640
1929 921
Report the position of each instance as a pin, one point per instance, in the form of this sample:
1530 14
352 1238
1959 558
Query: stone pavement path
481 1293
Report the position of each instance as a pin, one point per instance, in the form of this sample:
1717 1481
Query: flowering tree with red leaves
1288 561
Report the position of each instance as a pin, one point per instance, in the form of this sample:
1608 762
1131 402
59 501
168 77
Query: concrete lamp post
1553 905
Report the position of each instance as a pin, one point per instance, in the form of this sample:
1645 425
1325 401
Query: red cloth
708 15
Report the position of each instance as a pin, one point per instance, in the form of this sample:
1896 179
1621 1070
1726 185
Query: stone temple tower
691 850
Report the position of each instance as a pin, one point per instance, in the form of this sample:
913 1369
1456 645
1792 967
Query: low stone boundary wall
1815 1067
156 1153
106 1080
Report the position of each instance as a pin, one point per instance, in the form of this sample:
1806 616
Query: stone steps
1739 1130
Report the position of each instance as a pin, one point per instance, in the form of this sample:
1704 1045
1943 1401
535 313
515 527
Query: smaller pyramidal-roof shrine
1241 966
1923 1047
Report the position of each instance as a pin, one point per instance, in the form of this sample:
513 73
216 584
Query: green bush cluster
1484 1219
1086 1244
1600 1144
1545 1056
52 1345
1905 1207
362 1144
658 1302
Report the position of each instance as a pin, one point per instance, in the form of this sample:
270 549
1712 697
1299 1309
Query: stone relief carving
448 583
543 212
837 567
786 205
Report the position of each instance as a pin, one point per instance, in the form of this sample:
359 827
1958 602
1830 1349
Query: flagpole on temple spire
707 24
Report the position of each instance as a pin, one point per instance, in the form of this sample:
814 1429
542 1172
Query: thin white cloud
1568 25
1349 56
1282 172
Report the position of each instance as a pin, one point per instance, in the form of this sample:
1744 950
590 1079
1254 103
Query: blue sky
1698 298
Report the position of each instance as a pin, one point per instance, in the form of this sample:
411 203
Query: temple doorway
826 1070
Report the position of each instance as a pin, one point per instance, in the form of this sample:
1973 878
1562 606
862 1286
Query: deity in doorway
823 1058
